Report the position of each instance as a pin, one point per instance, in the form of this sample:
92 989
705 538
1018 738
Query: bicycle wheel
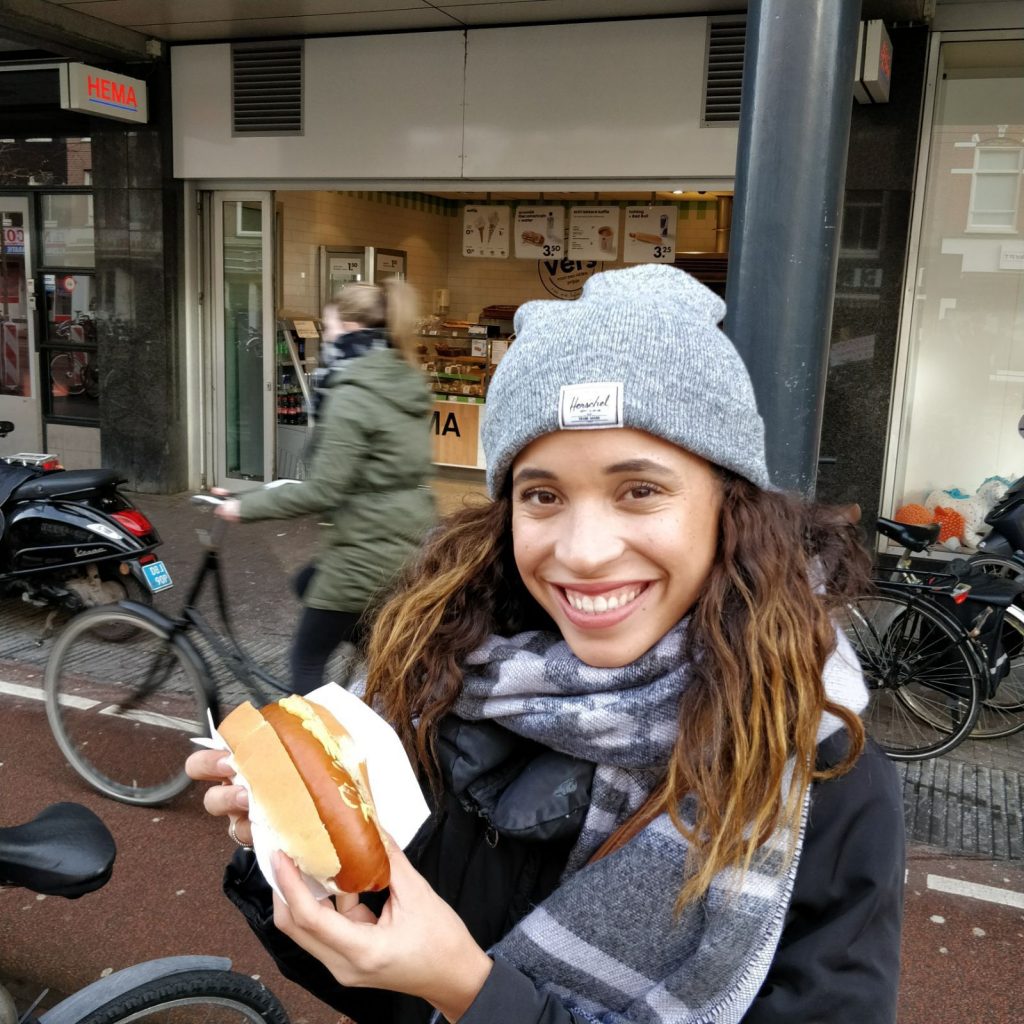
66 375
914 657
997 565
196 997
123 712
1002 714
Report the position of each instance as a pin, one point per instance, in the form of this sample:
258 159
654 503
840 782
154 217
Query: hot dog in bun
304 771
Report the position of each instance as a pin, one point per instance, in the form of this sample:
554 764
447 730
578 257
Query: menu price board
540 232
650 234
485 231
593 233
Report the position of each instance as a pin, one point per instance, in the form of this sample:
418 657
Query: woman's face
614 532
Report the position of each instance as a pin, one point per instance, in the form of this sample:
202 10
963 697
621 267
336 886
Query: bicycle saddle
913 538
64 851
66 483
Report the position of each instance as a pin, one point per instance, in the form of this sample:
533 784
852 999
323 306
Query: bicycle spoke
124 712
922 676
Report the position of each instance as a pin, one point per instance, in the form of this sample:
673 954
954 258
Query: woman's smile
614 532
599 605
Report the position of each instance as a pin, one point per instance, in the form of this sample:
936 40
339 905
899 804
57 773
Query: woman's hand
225 800
418 945
231 510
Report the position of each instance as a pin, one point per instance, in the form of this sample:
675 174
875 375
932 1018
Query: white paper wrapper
401 808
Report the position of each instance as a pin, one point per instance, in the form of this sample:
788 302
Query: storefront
88 270
959 384
480 205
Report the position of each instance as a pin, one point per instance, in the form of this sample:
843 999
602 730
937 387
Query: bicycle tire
998 565
196 997
913 654
64 373
124 712
1002 714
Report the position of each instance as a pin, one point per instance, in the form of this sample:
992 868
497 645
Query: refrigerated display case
297 352
342 264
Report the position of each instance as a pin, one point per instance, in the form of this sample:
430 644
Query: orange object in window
952 523
913 515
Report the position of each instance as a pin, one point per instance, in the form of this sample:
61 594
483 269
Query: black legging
319 634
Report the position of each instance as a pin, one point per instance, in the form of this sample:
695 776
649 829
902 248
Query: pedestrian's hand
418 945
231 510
226 800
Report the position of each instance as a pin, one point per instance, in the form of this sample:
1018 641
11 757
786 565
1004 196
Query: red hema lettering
93 85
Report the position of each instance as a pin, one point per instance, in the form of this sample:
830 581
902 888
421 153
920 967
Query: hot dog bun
306 774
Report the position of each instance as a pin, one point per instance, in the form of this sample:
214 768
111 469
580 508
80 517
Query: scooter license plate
157 576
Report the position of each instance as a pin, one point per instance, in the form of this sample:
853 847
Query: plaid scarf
334 353
607 942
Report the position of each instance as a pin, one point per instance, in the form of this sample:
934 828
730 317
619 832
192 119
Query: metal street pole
790 172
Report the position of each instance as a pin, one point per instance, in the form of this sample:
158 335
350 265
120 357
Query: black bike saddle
68 483
64 851
913 538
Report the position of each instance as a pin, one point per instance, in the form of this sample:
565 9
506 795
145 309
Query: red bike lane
164 897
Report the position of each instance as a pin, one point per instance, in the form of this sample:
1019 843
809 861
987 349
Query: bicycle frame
223 642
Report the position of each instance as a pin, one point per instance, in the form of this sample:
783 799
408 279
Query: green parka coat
370 473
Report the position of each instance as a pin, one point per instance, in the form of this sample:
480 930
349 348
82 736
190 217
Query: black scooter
69 539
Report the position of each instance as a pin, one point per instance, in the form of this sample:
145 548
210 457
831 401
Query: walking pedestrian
370 470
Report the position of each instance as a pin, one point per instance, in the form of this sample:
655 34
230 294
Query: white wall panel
376 106
611 99
598 100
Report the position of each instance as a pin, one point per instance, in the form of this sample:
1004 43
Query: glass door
243 339
19 397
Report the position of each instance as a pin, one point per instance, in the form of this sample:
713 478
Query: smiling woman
614 534
621 680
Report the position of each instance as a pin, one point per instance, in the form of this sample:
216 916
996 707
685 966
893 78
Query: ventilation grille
723 82
266 88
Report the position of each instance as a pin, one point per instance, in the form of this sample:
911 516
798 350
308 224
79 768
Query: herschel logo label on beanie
592 406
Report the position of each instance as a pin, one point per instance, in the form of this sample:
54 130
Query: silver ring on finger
234 835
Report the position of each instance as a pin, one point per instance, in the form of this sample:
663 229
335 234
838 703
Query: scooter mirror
7 427
1020 426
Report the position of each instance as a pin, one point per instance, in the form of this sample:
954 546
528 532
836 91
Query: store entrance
241 332
19 395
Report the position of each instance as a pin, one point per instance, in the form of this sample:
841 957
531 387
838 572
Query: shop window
68 350
995 189
963 340
15 367
67 230
44 161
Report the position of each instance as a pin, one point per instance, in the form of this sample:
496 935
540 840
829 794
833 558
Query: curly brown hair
763 627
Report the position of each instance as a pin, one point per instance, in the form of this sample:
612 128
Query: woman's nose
590 540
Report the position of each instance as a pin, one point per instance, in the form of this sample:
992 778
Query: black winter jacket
499 840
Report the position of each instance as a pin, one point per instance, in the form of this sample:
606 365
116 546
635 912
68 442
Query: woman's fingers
208 766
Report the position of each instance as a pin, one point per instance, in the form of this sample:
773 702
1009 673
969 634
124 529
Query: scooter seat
66 483
12 477
66 850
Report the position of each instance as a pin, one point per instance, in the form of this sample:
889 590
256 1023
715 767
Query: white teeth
602 602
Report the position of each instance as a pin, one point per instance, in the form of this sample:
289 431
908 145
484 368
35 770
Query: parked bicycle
68 851
124 714
941 651
1001 551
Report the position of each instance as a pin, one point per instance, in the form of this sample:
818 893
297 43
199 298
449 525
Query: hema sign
102 93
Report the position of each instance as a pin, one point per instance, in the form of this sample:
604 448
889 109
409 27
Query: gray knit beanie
640 348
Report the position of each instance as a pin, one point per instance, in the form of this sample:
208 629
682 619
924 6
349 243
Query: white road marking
36 693
85 704
154 718
976 891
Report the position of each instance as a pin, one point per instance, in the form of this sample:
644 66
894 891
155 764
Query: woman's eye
539 497
640 491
